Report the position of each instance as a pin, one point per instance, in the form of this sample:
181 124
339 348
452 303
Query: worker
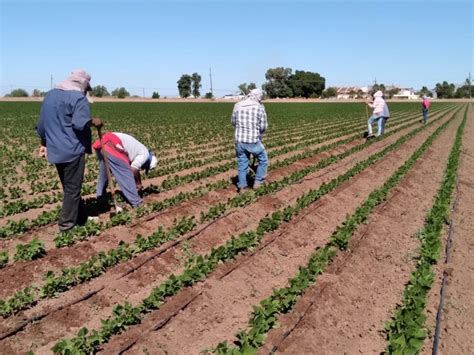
250 121
425 107
126 157
64 129
378 105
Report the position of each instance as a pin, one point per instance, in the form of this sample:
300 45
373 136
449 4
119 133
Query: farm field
342 251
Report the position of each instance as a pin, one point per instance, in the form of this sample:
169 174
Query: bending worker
126 157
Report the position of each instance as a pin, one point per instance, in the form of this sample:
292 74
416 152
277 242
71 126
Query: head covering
378 94
151 162
79 80
254 98
424 97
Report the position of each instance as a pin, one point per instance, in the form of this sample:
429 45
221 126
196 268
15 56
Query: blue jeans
124 177
380 123
425 115
243 152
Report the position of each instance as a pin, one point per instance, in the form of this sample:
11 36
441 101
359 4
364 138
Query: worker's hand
43 152
139 187
97 122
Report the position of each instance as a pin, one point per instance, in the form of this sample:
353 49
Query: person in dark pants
64 129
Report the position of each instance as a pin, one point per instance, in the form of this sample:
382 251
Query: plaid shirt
249 122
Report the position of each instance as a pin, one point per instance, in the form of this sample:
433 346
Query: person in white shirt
378 105
126 157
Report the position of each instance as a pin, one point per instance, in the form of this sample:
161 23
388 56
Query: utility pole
210 78
51 81
470 85
143 92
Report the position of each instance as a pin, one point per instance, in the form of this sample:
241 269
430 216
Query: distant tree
329 92
425 91
277 82
100 91
121 93
392 92
184 85
377 87
247 88
306 84
209 95
38 93
444 90
464 91
196 78
18 93
155 95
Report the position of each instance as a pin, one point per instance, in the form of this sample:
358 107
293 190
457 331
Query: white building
406 94
238 95
352 92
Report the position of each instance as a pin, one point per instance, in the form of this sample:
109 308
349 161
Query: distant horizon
147 45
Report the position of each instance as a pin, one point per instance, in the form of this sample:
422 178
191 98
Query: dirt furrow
345 311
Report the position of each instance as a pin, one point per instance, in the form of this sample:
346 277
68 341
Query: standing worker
64 129
378 105
250 121
383 120
126 156
425 106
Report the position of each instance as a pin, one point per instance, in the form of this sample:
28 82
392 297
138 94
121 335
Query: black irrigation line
447 260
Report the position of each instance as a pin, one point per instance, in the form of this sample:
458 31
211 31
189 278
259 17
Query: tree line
280 83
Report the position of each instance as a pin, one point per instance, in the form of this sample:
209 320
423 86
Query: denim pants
425 115
71 175
124 177
381 125
243 152
380 122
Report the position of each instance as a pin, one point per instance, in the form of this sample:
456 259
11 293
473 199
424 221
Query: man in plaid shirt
250 121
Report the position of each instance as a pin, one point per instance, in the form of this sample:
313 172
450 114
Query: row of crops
186 197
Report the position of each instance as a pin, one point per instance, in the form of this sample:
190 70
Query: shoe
242 190
370 136
258 184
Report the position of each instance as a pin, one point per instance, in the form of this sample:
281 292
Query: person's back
64 119
250 121
134 149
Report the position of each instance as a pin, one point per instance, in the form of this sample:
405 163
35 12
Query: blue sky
149 44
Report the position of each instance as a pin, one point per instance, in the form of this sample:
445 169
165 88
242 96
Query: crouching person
126 157
250 121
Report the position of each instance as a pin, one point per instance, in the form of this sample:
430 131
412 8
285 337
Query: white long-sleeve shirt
137 153
378 106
